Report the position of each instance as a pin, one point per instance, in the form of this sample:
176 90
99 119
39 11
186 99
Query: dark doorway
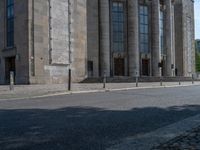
145 67
163 67
119 67
9 66
90 68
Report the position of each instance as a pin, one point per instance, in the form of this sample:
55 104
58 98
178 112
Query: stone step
140 79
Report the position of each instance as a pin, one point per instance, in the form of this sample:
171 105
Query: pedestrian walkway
29 91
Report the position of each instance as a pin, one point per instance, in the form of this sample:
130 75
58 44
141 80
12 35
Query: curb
98 91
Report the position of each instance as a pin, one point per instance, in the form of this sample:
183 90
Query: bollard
192 78
179 80
136 81
11 81
104 80
161 81
69 80
136 78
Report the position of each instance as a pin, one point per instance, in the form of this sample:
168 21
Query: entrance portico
135 37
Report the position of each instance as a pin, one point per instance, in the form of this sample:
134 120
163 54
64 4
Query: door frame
10 65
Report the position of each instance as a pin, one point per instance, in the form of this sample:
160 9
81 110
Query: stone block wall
21 46
2 39
51 41
184 32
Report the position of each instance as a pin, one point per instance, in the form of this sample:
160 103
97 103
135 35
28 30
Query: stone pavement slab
29 91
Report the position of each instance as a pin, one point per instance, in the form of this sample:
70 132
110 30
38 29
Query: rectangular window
144 29
10 23
118 26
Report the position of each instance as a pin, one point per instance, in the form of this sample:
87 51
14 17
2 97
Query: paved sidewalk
29 91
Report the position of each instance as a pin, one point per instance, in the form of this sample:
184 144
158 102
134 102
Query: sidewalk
30 91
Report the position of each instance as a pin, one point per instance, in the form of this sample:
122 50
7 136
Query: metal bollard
11 81
179 81
104 80
69 79
136 81
192 78
161 81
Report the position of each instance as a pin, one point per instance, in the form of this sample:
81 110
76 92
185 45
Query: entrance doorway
145 67
9 66
119 69
163 67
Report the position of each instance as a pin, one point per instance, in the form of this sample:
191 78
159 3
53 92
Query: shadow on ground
81 128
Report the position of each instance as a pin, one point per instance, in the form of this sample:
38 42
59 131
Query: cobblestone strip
188 141
152 140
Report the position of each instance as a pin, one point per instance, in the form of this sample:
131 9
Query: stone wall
51 41
21 41
59 32
188 37
184 23
38 40
79 40
2 40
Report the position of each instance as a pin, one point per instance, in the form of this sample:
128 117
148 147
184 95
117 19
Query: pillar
156 50
168 37
133 38
104 37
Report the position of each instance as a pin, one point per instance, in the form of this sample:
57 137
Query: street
93 121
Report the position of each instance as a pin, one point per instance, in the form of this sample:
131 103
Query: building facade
41 39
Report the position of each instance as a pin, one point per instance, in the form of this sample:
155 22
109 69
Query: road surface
93 121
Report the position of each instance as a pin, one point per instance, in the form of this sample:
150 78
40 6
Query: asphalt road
93 121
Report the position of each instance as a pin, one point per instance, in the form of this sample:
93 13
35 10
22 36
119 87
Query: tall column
173 41
168 45
156 50
104 37
133 40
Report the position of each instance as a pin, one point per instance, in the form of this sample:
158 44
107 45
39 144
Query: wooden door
145 67
119 69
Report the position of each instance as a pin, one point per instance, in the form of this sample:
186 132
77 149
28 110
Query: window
10 22
118 26
162 32
144 29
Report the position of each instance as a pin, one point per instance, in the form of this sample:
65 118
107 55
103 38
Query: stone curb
98 91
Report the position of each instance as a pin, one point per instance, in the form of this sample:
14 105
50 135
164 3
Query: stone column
133 38
156 50
173 41
168 46
104 37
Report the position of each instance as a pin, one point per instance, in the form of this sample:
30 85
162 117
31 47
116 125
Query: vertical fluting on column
133 38
104 37
156 50
173 42
168 36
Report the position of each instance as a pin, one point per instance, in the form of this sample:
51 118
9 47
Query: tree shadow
82 128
